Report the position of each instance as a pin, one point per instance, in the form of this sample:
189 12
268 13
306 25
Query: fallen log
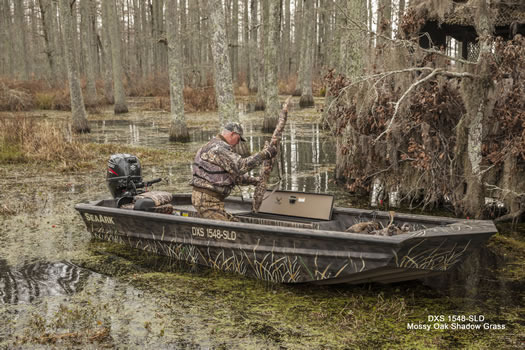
267 165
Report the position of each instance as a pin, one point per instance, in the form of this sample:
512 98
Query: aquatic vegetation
14 97
235 309
11 153
513 252
44 100
41 142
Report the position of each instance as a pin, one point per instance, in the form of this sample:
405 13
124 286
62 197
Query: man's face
232 138
236 138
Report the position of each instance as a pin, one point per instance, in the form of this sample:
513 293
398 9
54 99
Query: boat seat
153 201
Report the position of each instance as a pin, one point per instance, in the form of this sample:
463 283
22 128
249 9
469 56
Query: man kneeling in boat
217 169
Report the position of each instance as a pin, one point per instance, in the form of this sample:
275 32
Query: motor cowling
123 174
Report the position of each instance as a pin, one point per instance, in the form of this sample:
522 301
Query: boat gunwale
487 226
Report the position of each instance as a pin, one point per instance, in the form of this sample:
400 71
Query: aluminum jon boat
296 237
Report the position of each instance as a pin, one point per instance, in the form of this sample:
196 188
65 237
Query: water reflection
201 135
24 284
308 158
479 279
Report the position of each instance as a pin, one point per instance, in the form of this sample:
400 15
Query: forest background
437 122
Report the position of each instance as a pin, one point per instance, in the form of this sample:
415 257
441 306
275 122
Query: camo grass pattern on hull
277 267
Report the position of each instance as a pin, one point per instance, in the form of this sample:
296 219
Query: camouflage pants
209 207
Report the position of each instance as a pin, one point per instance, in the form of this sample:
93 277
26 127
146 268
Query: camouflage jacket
218 168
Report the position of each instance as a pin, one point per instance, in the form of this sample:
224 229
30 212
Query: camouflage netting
503 12
420 156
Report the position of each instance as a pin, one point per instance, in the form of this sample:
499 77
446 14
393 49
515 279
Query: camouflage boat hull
292 250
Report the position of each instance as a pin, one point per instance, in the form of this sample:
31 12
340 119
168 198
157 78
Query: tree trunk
384 22
333 37
186 47
137 37
178 128
105 48
79 115
6 48
286 60
253 46
78 48
228 29
298 42
145 39
246 43
47 28
21 41
116 57
321 40
235 41
370 29
260 100
33 45
206 50
196 58
221 64
302 25
400 13
307 99
155 34
129 63
352 40
478 95
59 43
271 63
88 33
315 31
161 40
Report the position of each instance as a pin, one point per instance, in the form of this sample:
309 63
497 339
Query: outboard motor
124 179
124 175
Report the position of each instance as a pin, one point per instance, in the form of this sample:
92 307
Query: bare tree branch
436 71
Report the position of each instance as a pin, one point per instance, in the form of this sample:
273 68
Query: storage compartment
313 206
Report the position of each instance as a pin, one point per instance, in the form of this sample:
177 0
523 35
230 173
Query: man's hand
254 180
269 151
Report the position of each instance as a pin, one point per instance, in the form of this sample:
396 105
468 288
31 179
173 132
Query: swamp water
59 288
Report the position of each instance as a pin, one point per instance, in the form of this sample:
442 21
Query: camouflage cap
236 128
